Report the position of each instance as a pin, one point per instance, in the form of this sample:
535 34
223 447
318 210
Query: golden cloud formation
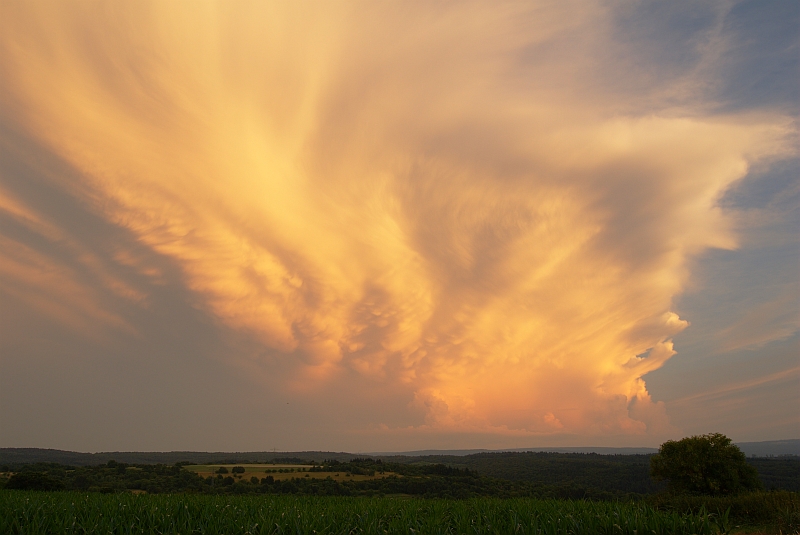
453 198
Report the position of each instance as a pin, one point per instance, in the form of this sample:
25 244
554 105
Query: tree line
678 467
434 480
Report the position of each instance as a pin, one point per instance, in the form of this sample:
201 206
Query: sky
388 226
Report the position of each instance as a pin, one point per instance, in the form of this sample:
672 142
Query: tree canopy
704 464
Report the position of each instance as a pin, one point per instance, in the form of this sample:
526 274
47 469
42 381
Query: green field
33 513
250 467
280 472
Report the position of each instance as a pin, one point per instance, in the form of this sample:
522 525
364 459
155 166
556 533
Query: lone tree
704 464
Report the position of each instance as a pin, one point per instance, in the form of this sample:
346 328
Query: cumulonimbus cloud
460 199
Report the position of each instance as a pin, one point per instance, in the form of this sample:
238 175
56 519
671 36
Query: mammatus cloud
462 201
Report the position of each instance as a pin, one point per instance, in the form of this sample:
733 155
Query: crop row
33 513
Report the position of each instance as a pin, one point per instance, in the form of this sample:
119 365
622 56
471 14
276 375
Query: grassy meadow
39 513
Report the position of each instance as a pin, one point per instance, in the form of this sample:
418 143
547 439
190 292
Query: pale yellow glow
365 187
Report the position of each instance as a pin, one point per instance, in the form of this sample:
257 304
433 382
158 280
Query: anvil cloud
485 211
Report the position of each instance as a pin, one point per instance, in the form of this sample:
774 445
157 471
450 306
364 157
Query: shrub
33 481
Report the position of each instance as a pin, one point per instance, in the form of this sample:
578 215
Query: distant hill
771 448
15 456
575 472
12 456
460 453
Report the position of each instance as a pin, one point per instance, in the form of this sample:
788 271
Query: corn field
33 513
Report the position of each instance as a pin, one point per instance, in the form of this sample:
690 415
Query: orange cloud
399 192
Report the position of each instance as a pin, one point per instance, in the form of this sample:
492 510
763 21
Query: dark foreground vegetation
34 513
700 484
92 493
770 512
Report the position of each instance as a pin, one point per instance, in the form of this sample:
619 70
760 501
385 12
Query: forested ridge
428 480
610 473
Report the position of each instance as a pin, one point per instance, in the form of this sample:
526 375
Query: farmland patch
279 472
